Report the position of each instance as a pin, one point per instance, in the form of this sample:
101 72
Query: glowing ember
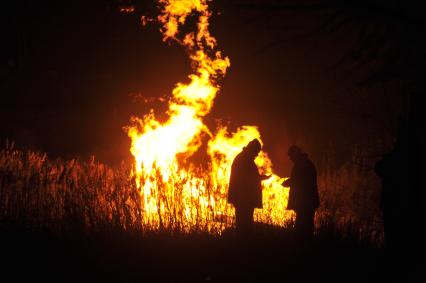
175 192
127 9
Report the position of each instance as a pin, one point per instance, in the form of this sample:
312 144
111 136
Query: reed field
80 220
38 193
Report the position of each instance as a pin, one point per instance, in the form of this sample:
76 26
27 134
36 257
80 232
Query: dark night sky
68 72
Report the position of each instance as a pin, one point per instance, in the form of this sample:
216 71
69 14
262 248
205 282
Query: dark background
72 73
332 76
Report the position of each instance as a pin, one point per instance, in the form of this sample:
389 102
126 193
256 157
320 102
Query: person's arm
287 183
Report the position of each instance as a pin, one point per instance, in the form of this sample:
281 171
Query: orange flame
175 192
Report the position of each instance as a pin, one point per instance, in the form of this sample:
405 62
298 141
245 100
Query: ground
268 256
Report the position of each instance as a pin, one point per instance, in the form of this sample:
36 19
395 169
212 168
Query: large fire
175 192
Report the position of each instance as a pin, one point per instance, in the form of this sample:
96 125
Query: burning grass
60 196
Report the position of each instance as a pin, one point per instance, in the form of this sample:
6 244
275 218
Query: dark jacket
303 186
245 188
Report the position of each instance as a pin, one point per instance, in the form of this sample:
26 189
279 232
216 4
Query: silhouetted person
303 197
393 169
245 191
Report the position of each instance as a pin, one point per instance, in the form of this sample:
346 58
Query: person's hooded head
295 153
253 148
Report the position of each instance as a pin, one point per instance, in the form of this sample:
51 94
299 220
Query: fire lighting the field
175 192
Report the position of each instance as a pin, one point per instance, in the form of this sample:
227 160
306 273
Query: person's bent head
295 153
253 148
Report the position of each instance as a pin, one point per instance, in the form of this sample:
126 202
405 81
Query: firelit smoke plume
176 193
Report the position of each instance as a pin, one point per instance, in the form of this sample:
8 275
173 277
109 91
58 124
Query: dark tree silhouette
388 34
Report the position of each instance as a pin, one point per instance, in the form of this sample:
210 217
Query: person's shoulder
238 158
308 163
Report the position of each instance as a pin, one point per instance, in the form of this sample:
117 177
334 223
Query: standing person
303 197
245 191
397 191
